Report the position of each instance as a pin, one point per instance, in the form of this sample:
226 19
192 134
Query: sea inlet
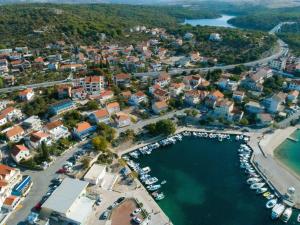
205 185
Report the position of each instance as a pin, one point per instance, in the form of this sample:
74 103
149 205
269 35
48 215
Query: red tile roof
82 126
14 131
93 79
17 149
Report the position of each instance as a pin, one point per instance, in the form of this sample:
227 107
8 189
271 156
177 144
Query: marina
264 194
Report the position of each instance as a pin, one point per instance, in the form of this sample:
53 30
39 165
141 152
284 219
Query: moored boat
286 214
257 185
153 187
277 211
271 203
261 190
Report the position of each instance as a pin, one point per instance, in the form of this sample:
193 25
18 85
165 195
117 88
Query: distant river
217 22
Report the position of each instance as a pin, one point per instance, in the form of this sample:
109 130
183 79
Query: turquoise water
289 153
218 22
205 185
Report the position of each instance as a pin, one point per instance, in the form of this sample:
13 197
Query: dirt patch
122 214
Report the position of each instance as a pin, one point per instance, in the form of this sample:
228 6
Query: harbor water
205 185
289 152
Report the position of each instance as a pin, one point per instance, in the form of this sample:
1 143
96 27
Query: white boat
271 203
261 190
277 211
286 214
151 180
256 185
298 218
253 180
270 197
145 170
154 187
145 177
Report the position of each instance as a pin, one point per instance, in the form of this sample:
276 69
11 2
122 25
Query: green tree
106 131
100 143
45 152
244 122
86 163
92 105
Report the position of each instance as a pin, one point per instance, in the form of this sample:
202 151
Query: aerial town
73 119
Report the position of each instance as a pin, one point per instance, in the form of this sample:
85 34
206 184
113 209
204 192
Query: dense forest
266 19
38 24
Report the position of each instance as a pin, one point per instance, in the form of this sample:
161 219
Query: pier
293 139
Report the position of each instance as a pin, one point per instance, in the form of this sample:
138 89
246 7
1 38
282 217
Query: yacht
271 203
158 196
151 180
261 190
256 185
277 211
286 214
153 187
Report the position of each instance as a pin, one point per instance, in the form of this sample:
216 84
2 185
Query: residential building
15 133
69 203
238 96
95 175
37 138
195 81
161 95
215 37
153 88
83 130
93 85
122 79
294 85
3 66
176 89
27 94
122 119
72 67
254 107
163 79
79 93
255 80
293 96
138 98
57 130
273 103
223 108
160 106
113 107
32 123
278 64
64 91
19 153
3 120
100 116
12 113
264 119
62 107
9 178
106 96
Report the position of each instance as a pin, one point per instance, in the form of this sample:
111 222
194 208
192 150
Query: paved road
41 181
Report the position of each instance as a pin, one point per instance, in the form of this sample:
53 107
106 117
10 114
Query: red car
38 206
62 171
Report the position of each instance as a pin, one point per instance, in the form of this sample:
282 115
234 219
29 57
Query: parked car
136 211
137 220
105 215
120 200
61 171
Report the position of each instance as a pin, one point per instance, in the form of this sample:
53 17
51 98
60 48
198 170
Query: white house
3 120
27 94
113 107
15 133
122 119
273 103
32 123
20 152
57 130
12 113
138 98
95 175
37 138
159 107
100 116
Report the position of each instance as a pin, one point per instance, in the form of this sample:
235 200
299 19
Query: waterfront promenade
278 175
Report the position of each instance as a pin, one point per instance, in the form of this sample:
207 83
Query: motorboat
163 182
253 180
277 211
257 185
153 187
271 203
145 170
134 154
286 214
261 190
145 177
158 196
298 218
151 180
266 194
271 196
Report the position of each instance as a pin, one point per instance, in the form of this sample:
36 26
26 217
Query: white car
137 220
136 211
